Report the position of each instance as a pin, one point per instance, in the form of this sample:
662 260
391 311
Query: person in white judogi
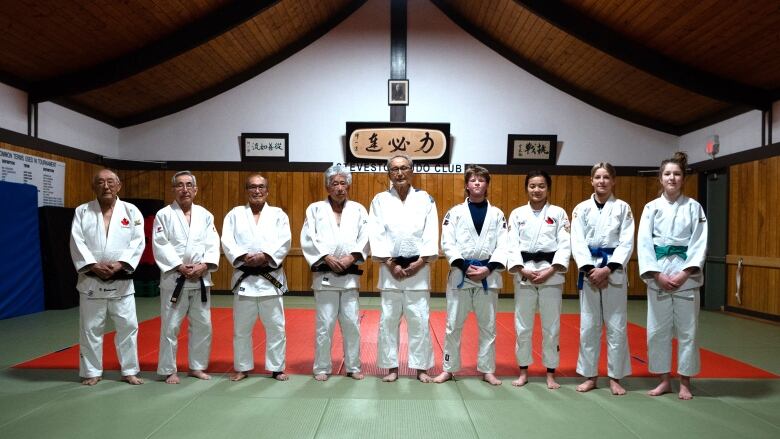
186 248
539 252
602 239
106 242
403 235
474 240
672 247
334 240
256 238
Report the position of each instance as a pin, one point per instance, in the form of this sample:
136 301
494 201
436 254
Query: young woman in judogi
473 238
602 239
672 245
539 251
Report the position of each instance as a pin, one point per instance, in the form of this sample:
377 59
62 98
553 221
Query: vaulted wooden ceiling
672 65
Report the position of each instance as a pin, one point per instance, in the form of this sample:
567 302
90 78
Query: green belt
669 250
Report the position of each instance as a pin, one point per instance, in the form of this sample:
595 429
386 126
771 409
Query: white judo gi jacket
547 232
459 240
612 226
89 244
681 223
175 242
271 235
404 228
321 236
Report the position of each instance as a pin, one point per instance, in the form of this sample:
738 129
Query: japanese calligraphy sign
265 147
376 142
531 149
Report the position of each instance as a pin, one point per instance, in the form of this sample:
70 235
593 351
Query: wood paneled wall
754 235
219 191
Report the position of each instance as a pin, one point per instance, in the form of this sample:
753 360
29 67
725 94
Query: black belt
119 275
180 286
538 256
322 268
405 261
264 272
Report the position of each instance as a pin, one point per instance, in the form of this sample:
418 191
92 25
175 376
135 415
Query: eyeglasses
110 183
256 187
399 169
181 185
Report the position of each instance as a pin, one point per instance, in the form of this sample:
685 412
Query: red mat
300 348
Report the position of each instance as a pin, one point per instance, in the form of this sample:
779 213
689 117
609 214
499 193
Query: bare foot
443 377
491 379
616 388
238 376
321 377
551 383
91 381
588 385
391 376
199 374
423 377
172 379
356 375
280 376
522 380
132 379
685 388
665 386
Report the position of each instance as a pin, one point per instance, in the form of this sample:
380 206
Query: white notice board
47 175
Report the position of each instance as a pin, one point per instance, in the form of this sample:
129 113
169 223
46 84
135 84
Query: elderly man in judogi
334 240
106 242
474 240
186 248
256 238
403 234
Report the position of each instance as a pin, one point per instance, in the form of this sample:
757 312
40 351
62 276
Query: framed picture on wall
264 147
531 149
398 92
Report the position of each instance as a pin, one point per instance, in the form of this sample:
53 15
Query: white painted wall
340 77
343 77
61 125
736 134
455 78
13 109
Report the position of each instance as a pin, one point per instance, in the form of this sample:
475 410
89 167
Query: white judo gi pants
548 299
344 306
608 306
92 322
673 314
198 333
461 301
270 311
414 306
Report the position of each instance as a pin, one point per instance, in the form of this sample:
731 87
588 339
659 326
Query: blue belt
604 252
476 263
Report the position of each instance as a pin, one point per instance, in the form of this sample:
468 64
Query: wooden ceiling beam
608 41
180 41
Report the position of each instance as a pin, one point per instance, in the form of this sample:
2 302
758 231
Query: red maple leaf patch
125 222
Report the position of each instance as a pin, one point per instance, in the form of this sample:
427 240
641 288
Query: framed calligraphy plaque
377 141
263 147
531 149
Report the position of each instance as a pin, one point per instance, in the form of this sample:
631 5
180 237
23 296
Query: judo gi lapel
603 216
336 228
254 228
120 219
100 230
481 248
186 228
538 221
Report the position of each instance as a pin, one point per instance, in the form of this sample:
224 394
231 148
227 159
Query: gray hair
403 156
95 177
335 170
184 173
